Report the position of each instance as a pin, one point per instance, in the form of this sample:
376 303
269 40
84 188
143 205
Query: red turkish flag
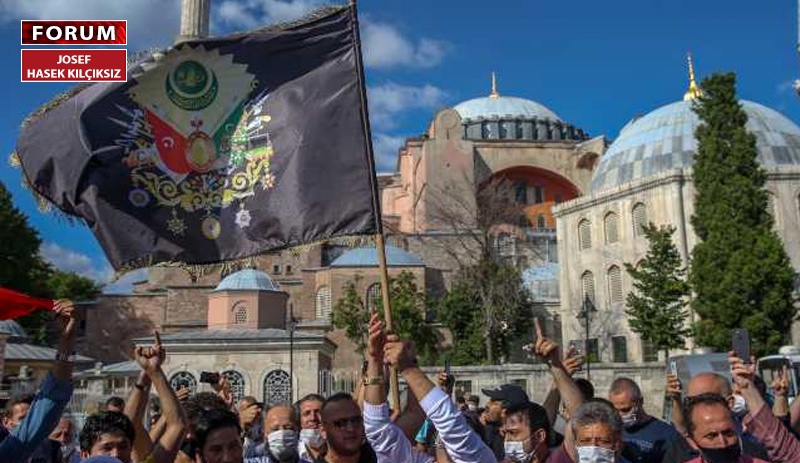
170 143
14 304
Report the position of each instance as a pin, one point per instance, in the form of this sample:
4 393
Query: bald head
708 383
280 417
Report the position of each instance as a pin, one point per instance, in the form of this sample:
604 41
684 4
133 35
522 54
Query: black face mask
729 454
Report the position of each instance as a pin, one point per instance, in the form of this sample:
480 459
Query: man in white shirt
311 444
463 445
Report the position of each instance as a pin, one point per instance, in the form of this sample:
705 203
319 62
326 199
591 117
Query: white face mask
67 449
515 451
472 407
593 454
312 438
629 419
282 443
739 407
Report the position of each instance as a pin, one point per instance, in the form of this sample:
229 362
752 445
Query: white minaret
194 19
797 82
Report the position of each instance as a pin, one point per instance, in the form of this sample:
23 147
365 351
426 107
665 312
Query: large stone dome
664 140
504 107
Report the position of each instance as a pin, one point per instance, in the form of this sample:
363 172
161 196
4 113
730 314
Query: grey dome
12 329
248 280
664 140
504 106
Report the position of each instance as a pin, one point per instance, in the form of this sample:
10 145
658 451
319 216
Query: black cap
511 395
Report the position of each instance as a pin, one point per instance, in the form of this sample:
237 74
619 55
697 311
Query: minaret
494 93
797 82
694 91
194 19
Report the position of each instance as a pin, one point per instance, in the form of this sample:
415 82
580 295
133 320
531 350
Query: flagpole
380 247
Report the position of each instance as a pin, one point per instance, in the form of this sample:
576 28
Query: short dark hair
338 397
626 384
708 398
211 420
18 399
536 416
586 388
105 422
311 397
201 402
117 402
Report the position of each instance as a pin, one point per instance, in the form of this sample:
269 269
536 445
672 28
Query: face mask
472 407
312 438
283 444
515 451
729 454
593 454
67 449
629 419
739 407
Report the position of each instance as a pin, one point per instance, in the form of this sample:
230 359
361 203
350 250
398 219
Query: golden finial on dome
694 91
494 93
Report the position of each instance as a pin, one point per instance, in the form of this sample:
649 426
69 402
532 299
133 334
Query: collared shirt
42 418
462 444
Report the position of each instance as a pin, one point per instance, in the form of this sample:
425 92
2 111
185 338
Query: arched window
541 222
611 225
277 388
236 381
374 296
587 286
240 314
183 379
585 234
615 284
323 303
639 219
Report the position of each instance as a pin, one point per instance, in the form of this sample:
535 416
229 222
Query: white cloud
386 47
386 101
150 22
785 87
248 14
72 261
385 147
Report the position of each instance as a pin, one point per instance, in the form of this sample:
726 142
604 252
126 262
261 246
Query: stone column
194 19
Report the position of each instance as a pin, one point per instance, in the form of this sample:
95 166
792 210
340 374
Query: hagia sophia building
584 199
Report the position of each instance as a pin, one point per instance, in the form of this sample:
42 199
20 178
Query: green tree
740 272
657 306
21 267
409 308
486 309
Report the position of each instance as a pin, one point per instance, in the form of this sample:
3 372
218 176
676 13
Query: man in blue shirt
54 394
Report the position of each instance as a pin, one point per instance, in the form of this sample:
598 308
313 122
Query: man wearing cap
507 396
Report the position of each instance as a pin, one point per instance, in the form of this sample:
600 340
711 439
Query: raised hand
377 338
573 362
223 389
183 394
674 387
780 385
399 353
65 310
544 348
150 358
742 373
249 414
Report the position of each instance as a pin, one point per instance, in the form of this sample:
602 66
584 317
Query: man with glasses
343 431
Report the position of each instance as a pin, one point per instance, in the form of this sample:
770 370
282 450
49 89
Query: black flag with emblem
216 150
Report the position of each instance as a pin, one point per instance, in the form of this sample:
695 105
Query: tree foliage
656 308
740 272
409 309
486 308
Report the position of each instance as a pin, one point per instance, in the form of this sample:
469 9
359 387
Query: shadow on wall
111 325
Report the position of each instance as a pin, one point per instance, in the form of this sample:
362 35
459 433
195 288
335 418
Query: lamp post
587 308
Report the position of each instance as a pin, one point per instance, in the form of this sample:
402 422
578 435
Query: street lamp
292 325
587 308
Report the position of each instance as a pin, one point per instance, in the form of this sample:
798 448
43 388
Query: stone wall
536 380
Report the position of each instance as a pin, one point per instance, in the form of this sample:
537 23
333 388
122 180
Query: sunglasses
341 423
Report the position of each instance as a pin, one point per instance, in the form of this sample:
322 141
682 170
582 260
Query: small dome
12 329
504 106
248 280
664 140
368 257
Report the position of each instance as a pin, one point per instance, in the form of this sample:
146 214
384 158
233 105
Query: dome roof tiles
504 106
368 257
248 280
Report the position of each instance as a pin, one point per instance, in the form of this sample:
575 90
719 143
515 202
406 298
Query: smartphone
209 377
673 367
447 367
740 341
574 345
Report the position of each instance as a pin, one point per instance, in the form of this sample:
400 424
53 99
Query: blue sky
596 64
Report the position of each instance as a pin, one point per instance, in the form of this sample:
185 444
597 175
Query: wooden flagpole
380 247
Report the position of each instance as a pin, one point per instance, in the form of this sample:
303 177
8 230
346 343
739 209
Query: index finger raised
538 328
158 338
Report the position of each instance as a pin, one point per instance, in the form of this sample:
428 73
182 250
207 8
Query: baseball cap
102 459
510 395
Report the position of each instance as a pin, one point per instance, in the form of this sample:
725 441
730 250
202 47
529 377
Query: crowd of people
714 419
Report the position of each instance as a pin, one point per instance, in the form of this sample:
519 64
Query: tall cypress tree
740 272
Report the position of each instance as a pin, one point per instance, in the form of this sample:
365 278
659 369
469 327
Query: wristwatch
374 381
64 356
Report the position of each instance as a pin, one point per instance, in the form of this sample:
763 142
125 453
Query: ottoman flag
216 150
